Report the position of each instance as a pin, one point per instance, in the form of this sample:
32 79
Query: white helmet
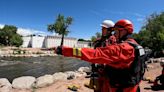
107 23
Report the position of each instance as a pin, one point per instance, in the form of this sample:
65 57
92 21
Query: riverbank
59 82
30 83
25 52
154 70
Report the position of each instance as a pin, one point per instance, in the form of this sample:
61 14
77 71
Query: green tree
97 35
152 33
16 40
60 26
8 34
143 38
81 39
155 25
93 38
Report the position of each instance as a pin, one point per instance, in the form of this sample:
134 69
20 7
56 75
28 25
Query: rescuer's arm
113 55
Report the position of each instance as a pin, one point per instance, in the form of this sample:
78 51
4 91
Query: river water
13 67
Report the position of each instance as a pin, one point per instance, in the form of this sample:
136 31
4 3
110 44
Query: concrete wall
37 42
81 44
51 41
54 41
26 41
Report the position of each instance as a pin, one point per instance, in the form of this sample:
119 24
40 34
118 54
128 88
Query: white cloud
25 32
1 26
124 13
138 15
55 34
40 32
140 19
96 13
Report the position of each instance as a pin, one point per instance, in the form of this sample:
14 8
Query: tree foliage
97 35
81 39
93 38
152 33
60 26
9 36
16 40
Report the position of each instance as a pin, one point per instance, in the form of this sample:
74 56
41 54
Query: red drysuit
118 56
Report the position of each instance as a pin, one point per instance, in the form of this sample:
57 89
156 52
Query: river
13 67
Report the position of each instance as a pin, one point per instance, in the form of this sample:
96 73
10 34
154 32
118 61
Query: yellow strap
74 51
77 52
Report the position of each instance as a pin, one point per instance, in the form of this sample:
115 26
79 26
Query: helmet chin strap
125 37
119 38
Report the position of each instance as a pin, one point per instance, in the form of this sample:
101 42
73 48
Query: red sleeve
118 56
67 51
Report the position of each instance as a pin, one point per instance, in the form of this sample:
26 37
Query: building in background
54 41
26 41
81 44
38 41
35 41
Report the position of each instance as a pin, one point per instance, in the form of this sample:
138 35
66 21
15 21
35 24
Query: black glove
59 50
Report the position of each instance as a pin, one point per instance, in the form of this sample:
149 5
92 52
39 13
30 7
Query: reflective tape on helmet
77 52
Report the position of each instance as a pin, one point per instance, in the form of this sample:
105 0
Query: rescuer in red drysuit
123 70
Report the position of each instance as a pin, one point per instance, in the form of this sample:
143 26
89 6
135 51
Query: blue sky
35 15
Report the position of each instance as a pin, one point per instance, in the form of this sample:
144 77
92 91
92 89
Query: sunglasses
119 28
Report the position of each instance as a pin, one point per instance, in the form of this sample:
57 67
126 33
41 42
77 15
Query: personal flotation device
127 77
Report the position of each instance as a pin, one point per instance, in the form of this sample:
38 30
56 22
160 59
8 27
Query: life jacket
122 78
